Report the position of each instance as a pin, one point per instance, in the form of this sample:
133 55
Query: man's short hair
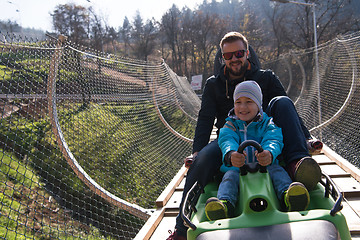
233 37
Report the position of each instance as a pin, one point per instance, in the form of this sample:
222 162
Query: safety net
324 84
89 140
86 136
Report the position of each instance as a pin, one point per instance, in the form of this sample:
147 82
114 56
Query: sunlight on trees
188 39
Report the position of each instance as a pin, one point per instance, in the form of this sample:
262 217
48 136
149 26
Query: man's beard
241 71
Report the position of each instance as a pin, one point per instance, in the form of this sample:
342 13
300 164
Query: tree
207 28
293 25
125 35
187 37
170 26
150 34
9 26
98 32
333 17
143 37
113 36
71 20
136 34
276 17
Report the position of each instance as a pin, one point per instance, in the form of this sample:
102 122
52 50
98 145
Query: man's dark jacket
217 99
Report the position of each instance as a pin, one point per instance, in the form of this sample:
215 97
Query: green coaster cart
258 214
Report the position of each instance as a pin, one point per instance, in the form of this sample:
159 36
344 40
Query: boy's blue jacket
263 130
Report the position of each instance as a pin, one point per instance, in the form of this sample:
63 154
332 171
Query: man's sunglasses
238 54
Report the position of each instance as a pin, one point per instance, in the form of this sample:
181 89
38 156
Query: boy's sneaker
297 197
176 236
216 209
308 172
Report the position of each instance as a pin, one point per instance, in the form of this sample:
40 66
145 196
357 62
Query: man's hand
189 159
237 159
264 158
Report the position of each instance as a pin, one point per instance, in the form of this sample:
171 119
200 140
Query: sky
36 13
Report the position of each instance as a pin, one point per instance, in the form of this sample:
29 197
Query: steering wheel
251 167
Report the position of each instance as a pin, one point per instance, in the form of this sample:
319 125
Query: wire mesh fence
88 141
83 153
328 104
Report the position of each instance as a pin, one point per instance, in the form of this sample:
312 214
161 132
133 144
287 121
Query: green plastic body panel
258 186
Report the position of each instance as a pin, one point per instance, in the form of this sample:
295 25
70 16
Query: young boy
248 121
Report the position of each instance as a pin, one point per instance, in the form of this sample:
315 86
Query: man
216 103
219 60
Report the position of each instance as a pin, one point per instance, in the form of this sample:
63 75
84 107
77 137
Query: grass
22 199
41 160
107 144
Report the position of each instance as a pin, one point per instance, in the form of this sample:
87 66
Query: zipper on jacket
245 138
248 149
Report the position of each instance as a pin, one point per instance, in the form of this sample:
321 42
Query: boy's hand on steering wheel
264 158
237 159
